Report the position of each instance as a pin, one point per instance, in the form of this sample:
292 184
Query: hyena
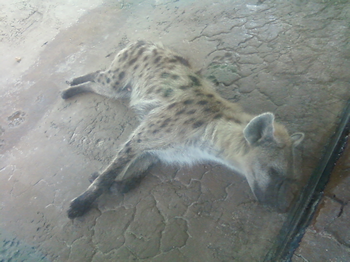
183 120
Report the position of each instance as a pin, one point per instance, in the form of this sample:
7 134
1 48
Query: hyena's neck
228 139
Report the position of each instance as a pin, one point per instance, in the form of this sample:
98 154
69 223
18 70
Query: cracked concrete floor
287 57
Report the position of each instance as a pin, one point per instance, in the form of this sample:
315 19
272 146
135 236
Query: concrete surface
288 57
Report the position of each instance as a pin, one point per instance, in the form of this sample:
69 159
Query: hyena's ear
259 128
297 138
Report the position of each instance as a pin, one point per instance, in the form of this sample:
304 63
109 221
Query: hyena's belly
185 155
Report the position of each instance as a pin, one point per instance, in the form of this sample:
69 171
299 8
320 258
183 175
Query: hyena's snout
278 194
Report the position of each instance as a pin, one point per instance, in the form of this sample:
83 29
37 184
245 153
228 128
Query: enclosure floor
286 57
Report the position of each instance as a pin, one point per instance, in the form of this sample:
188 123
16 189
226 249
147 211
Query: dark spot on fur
164 75
198 92
191 112
139 140
116 85
159 90
210 95
188 102
189 121
155 52
175 77
202 102
116 71
182 60
168 92
125 56
195 80
212 109
149 78
233 119
184 87
108 80
121 75
172 105
155 131
140 43
165 123
172 60
135 67
156 61
141 51
198 124
169 130
140 75
132 61
180 112
217 116
144 59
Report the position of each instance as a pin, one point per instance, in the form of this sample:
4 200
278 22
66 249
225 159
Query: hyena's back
152 76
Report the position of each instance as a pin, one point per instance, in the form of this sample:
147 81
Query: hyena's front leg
128 167
82 203
134 173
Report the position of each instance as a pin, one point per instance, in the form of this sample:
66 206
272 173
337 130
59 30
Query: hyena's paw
78 207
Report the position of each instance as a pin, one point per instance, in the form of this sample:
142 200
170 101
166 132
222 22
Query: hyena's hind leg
84 78
77 89
82 84
98 82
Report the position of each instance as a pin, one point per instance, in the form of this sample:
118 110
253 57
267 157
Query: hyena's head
269 163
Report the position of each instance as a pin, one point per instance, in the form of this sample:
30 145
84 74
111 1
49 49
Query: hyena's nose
278 196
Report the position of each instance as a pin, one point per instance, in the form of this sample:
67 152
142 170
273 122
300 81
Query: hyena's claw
78 207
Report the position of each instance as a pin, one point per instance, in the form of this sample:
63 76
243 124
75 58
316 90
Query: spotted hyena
183 120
